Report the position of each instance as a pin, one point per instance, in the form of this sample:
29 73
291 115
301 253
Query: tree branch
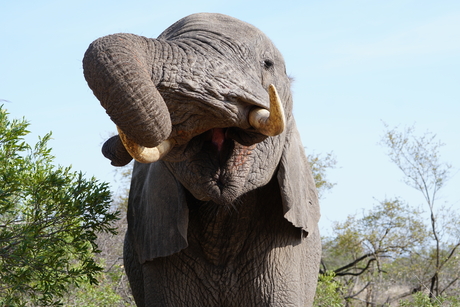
362 270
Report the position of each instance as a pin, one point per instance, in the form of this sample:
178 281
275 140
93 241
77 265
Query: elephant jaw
267 122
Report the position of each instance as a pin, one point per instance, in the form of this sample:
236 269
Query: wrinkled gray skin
229 216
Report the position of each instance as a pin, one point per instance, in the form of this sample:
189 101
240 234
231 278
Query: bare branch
361 270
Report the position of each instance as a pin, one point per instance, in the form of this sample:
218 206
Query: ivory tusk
146 154
269 123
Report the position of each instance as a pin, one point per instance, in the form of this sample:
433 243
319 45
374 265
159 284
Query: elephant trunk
118 68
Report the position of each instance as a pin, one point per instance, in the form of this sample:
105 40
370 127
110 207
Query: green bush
328 291
49 217
102 295
421 299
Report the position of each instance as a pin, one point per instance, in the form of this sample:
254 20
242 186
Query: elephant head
210 99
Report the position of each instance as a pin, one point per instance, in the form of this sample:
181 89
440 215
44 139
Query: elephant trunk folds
118 68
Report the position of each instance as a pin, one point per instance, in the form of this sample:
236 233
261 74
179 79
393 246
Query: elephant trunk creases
207 74
118 70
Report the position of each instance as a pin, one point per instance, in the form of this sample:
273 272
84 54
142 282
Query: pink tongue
218 138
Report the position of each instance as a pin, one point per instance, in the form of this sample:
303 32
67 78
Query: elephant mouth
222 157
219 148
225 151
228 152
217 141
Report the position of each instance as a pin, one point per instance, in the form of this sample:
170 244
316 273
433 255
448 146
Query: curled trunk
118 68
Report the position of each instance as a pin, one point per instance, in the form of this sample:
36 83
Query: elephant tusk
146 154
269 123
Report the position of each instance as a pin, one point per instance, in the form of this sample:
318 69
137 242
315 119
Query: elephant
223 208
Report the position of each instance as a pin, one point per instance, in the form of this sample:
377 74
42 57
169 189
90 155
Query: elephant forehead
220 25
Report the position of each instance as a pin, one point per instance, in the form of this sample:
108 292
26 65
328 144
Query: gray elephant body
229 216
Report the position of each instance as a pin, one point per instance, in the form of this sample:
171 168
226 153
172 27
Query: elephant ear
157 212
297 186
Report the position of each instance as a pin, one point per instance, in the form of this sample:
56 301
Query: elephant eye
268 64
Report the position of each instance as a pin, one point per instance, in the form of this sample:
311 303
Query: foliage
319 164
113 288
421 299
419 160
418 157
328 291
393 251
49 217
362 247
106 293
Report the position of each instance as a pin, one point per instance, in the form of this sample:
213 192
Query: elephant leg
134 272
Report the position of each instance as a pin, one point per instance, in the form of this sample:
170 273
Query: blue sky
355 64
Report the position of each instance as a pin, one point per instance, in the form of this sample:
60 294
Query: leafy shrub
421 299
49 217
328 291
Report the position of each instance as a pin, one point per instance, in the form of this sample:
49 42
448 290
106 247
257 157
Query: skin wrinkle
241 157
216 235
224 46
191 91
241 56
